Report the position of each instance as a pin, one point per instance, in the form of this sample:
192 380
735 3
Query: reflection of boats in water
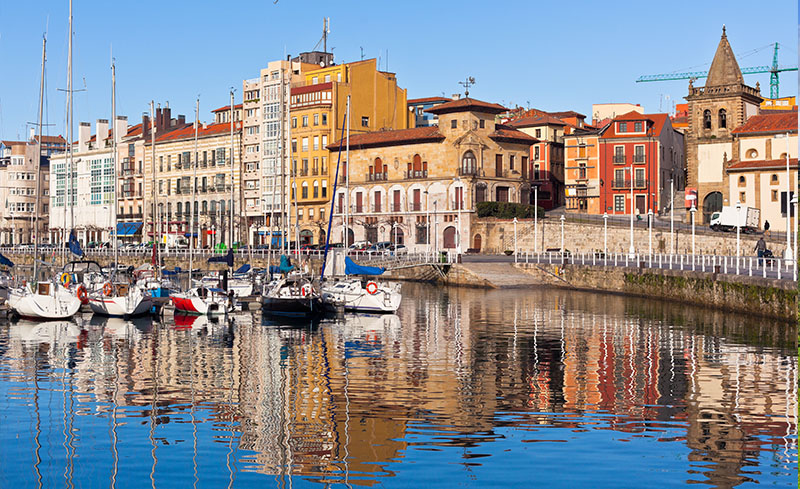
119 328
370 327
54 333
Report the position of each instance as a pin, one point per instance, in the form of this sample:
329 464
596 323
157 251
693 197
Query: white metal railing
752 266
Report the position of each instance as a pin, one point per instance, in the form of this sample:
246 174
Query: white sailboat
49 299
354 287
202 300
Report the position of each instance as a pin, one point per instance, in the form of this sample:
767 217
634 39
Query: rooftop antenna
466 84
362 53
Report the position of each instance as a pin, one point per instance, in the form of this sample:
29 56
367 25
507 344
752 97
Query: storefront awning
128 228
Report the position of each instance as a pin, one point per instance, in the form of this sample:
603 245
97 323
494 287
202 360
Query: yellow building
317 110
783 103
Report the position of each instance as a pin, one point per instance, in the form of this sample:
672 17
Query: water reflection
462 385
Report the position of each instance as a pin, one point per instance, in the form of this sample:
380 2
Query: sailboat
353 294
292 295
48 299
119 298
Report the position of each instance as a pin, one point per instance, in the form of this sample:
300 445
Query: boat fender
372 288
65 279
108 289
306 290
82 294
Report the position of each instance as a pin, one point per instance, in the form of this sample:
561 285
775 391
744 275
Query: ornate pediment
470 139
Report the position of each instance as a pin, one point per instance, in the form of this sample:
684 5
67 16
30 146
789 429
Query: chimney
84 133
181 119
120 128
102 133
166 114
145 125
456 96
33 134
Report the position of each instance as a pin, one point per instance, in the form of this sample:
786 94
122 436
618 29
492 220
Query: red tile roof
467 104
134 130
187 131
511 135
567 113
423 100
417 135
657 120
769 123
227 107
780 164
51 139
312 88
536 121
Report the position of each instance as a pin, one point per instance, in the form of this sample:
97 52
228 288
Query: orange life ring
108 289
372 288
82 294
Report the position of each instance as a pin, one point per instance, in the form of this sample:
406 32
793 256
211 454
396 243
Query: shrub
507 210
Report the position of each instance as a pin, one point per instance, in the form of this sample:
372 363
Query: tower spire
724 68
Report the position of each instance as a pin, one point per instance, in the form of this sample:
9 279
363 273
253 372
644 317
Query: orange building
581 171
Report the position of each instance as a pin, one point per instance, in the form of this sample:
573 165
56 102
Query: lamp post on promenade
515 240
632 250
605 235
650 230
692 211
562 234
535 218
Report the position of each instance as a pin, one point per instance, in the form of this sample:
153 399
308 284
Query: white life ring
372 288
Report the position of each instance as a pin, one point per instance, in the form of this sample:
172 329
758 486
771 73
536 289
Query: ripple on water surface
461 387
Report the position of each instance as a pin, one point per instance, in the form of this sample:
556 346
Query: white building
89 212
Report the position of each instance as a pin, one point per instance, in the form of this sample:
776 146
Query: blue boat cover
5 261
223 258
286 264
128 228
242 269
274 269
73 245
352 268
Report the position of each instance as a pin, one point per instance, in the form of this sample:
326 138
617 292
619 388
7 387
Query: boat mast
194 191
289 167
69 172
347 179
114 137
230 231
38 168
155 193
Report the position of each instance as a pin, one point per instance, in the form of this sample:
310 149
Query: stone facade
723 104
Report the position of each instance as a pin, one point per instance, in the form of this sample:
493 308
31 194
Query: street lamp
605 235
692 211
562 234
650 229
394 227
672 215
427 223
738 221
459 204
794 209
788 254
515 240
632 251
536 218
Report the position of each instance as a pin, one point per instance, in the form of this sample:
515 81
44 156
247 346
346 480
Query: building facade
546 159
18 187
420 186
582 171
764 160
724 103
418 115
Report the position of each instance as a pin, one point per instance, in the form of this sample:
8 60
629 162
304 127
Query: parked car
379 247
360 246
396 250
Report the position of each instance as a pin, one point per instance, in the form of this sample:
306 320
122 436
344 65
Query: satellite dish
322 63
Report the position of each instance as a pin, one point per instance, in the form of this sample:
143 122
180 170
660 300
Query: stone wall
497 235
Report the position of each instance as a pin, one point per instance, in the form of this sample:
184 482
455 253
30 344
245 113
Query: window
538 133
707 119
304 190
364 121
774 196
742 196
482 124
305 144
619 154
324 119
536 152
327 78
160 163
316 119
582 171
294 145
637 127
324 188
324 141
752 153
511 162
619 178
453 124
316 189
314 80
623 127
638 153
773 180
640 181
316 143
294 122
723 118
469 164
742 181
619 203
305 121
582 150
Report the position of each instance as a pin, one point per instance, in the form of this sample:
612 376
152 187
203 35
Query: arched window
469 164
723 119
213 209
316 189
742 181
752 153
707 119
773 180
205 207
179 208
417 167
304 191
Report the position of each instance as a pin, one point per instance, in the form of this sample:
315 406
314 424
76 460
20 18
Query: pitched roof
467 104
724 68
658 121
227 107
424 100
395 137
567 113
511 135
187 131
134 130
51 139
769 122
779 164
537 121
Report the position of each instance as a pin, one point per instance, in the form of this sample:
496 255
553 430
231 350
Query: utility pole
230 232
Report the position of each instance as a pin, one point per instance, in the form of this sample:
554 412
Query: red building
639 154
546 161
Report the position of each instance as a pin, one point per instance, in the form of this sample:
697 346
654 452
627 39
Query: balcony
315 171
639 159
129 216
469 172
414 206
396 208
619 159
416 174
542 176
304 172
626 183
376 177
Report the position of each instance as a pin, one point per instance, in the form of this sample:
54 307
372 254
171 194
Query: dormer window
637 127
623 127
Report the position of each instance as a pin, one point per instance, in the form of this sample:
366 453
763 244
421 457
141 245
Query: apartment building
546 159
582 171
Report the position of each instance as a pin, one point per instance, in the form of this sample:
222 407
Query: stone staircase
501 275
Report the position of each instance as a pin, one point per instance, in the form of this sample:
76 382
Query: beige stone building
724 103
406 184
217 168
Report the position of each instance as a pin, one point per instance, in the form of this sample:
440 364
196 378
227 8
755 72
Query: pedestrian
766 228
761 247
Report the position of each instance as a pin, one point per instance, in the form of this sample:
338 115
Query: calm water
461 388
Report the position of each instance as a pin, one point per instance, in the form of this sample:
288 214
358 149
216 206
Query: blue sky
549 55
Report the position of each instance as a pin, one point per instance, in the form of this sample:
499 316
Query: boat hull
292 307
121 306
351 296
191 304
60 305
